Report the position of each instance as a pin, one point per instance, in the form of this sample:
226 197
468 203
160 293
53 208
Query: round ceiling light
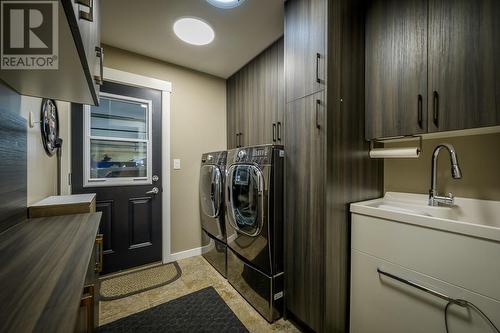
194 31
226 3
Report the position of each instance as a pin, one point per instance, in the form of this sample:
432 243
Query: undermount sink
479 218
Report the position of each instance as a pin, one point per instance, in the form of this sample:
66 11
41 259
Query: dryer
254 224
212 176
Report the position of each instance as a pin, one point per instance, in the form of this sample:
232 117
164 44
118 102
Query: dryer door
210 190
245 199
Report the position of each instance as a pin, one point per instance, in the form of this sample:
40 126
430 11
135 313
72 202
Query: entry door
116 153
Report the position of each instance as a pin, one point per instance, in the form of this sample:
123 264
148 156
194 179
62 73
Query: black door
116 153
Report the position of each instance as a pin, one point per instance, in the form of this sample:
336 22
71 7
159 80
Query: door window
245 194
117 142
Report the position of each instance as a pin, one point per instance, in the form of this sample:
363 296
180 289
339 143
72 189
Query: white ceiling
145 27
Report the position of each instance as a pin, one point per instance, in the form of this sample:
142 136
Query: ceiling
145 27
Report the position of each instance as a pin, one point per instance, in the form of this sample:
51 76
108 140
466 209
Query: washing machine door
210 190
245 199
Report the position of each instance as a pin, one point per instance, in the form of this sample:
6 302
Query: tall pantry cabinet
327 165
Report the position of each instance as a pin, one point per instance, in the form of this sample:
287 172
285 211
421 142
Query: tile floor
197 274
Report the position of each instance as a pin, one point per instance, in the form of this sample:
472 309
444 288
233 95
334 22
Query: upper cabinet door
305 45
396 68
464 67
79 62
255 100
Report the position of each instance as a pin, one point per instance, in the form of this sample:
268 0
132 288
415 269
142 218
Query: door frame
141 81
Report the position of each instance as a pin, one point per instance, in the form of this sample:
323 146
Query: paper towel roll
395 152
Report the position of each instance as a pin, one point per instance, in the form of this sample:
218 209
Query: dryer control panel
261 155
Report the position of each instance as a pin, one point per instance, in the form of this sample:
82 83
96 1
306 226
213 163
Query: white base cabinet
424 256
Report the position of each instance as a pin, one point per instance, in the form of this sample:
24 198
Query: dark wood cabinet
305 45
464 66
396 68
327 167
80 57
88 17
255 100
88 314
431 66
304 214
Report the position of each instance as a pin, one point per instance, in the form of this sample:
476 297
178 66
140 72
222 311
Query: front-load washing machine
211 188
254 224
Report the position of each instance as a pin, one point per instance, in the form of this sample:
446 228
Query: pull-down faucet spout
434 198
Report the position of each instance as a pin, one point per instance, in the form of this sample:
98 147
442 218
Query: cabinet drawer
468 262
381 304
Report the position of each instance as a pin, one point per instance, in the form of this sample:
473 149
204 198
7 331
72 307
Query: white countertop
472 217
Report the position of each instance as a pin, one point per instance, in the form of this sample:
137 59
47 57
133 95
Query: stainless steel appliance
212 175
254 223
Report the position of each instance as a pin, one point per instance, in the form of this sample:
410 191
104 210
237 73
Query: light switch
177 164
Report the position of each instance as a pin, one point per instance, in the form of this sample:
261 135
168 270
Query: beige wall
198 124
42 172
479 158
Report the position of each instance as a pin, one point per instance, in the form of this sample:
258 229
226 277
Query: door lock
155 178
154 190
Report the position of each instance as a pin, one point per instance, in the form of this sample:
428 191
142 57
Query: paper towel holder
419 137
373 141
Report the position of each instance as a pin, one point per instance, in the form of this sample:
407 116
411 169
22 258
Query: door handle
274 132
279 131
87 301
419 110
154 190
99 241
99 79
87 16
435 108
318 103
239 139
318 56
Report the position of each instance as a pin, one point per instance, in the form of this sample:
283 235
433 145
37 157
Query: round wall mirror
49 125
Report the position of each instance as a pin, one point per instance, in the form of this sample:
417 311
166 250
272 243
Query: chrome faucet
434 198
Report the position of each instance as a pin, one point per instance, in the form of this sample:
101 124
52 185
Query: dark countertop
43 266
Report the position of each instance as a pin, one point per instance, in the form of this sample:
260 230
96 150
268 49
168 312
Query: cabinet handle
318 56
435 109
99 79
87 16
318 103
279 131
274 132
239 139
87 3
419 106
416 285
87 301
99 241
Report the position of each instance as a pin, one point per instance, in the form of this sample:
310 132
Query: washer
254 224
212 176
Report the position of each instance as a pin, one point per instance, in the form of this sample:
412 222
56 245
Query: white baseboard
197 251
